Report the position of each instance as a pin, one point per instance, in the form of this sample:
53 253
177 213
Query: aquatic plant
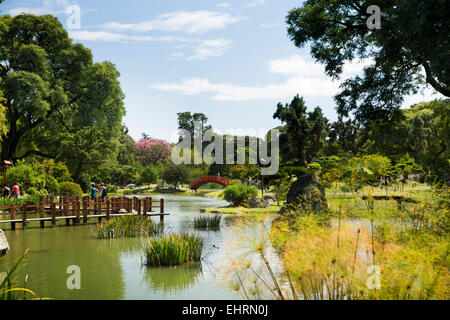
126 226
9 287
172 249
209 222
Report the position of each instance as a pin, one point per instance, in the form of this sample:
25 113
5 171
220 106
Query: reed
9 287
172 250
210 222
125 227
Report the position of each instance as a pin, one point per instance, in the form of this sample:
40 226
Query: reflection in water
112 268
172 279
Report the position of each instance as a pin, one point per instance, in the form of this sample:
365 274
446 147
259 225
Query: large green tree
53 91
304 133
411 48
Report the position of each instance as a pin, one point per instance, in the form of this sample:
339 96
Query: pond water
112 269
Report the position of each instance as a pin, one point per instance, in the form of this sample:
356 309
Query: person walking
93 191
16 191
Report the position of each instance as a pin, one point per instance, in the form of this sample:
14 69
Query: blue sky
231 60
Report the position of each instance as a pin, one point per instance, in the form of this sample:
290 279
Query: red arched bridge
209 179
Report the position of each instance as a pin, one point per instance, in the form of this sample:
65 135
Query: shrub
51 185
70 189
239 194
112 188
235 181
127 226
172 250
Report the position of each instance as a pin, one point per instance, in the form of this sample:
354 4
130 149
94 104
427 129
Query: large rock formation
4 246
305 194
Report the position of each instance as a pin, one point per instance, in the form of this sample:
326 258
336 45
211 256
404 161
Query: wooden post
107 209
24 216
150 204
139 207
85 209
66 210
77 211
41 210
53 214
99 210
13 216
161 210
145 207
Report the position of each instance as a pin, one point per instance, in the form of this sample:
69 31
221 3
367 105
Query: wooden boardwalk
80 210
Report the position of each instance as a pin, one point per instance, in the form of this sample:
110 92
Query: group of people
11 191
103 191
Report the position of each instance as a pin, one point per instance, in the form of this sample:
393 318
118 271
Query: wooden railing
79 210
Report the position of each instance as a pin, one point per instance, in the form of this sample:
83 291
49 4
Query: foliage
239 194
152 151
9 289
186 121
172 250
304 133
70 189
56 94
337 32
175 174
209 222
149 176
127 226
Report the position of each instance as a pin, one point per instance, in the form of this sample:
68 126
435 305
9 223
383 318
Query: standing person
93 191
6 191
16 191
103 192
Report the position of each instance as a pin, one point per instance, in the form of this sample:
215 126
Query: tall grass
209 222
172 250
126 226
9 287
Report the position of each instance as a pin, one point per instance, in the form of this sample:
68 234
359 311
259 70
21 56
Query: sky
229 59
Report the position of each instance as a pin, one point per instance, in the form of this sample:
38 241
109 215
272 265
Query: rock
270 198
258 203
305 194
178 186
216 211
162 184
4 246
202 210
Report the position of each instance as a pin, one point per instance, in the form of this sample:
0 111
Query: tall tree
186 121
412 47
304 132
52 88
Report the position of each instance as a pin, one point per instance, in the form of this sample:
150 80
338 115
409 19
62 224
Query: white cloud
230 92
223 5
210 48
256 3
48 7
194 22
105 36
305 77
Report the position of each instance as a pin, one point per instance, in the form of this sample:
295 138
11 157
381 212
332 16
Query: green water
112 269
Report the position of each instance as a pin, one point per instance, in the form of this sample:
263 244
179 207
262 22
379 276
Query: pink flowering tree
152 151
